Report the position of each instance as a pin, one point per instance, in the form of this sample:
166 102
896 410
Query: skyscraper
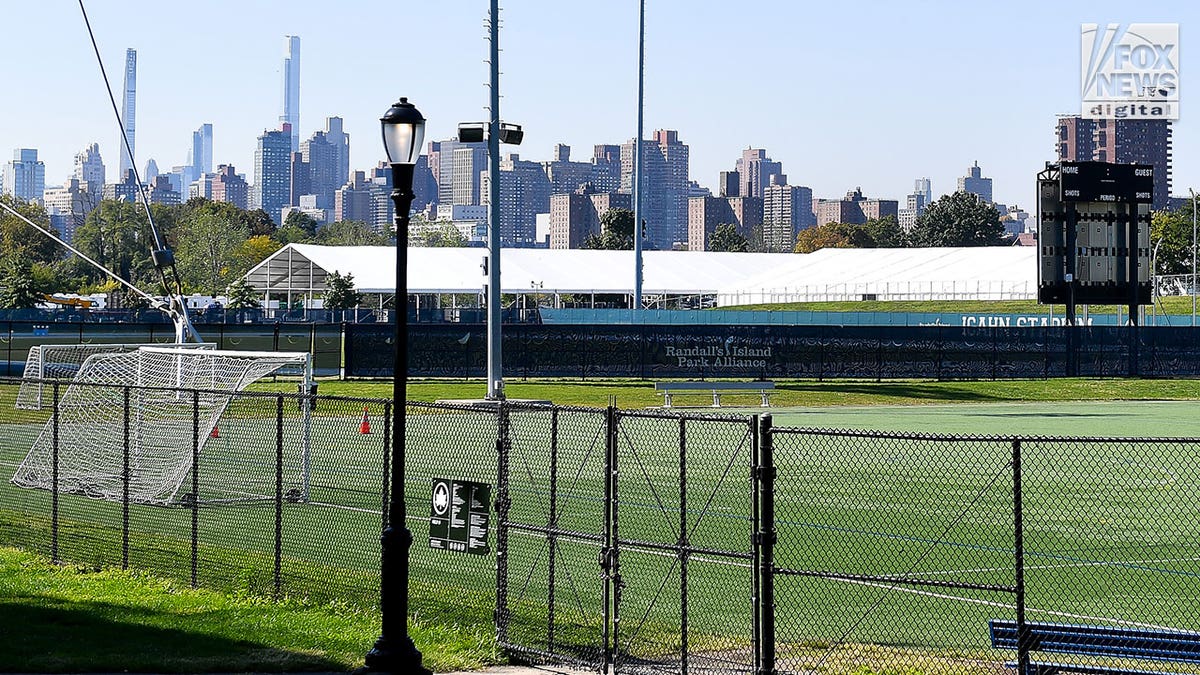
1121 141
923 187
665 188
326 158
272 172
787 209
755 170
202 140
975 183
128 107
291 90
89 169
25 175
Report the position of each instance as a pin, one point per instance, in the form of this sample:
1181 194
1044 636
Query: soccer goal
176 399
62 362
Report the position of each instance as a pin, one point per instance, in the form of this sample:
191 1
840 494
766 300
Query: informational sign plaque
458 516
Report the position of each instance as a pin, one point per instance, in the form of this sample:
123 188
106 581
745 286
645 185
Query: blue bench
1104 641
669 389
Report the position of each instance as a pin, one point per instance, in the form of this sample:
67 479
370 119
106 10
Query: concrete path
526 670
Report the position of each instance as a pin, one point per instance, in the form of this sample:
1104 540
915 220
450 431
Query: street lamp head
403 132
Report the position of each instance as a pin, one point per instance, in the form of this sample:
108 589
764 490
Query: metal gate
617 550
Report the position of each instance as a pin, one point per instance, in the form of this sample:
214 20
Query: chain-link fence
640 541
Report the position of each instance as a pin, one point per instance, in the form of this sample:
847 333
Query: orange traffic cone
365 426
215 433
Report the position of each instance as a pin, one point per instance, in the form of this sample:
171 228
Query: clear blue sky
845 94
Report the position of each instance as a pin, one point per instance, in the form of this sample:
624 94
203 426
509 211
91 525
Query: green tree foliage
205 251
303 222
958 219
1174 230
117 236
885 232
616 231
340 293
242 295
19 238
726 238
17 287
350 233
829 235
439 233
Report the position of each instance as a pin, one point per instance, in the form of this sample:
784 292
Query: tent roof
303 267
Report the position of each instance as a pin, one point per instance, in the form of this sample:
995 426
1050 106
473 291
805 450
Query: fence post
765 472
279 491
387 461
125 485
1023 642
552 535
195 500
54 483
683 549
608 553
501 616
756 590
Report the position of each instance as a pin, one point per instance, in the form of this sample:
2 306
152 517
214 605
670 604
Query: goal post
177 397
62 362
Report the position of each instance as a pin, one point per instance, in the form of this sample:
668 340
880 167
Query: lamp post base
393 656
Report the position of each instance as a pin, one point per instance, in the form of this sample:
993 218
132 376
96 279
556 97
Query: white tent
299 271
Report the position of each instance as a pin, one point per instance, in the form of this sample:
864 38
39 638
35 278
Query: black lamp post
394 651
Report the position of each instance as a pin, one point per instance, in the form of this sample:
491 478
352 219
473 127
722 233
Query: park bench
1105 641
669 389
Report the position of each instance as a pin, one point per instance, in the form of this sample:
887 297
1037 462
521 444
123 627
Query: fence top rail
16 381
989 438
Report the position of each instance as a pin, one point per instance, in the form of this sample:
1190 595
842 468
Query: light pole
394 651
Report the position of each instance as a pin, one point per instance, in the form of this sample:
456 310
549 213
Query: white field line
1087 563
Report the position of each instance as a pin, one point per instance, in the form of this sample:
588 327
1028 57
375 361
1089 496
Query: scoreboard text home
1094 234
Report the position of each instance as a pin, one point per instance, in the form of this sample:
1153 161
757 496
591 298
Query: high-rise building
272 172
524 193
229 186
923 187
326 159
89 169
787 209
69 205
291 91
575 216
854 209
914 206
150 172
665 188
975 183
355 200
457 167
127 190
564 175
706 213
1122 141
202 152
606 168
730 184
161 191
754 172
25 175
128 113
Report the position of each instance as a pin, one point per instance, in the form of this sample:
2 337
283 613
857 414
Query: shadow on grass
939 391
48 635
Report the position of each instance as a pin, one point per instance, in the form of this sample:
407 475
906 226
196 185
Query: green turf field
1111 526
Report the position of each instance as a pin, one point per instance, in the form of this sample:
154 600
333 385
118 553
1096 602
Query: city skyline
856 102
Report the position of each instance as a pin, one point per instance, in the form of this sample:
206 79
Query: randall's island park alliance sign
723 355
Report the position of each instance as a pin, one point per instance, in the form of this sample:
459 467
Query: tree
726 238
303 221
829 235
250 253
616 231
350 233
17 288
205 254
1174 230
340 293
242 295
958 219
19 238
117 236
439 233
885 232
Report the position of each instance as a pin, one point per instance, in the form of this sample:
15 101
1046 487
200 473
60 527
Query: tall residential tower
128 106
291 89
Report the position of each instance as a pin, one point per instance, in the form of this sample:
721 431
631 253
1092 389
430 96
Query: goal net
177 397
62 362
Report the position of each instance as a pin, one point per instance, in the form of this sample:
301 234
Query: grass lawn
74 619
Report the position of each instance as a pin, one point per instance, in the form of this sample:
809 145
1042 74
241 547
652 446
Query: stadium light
394 651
